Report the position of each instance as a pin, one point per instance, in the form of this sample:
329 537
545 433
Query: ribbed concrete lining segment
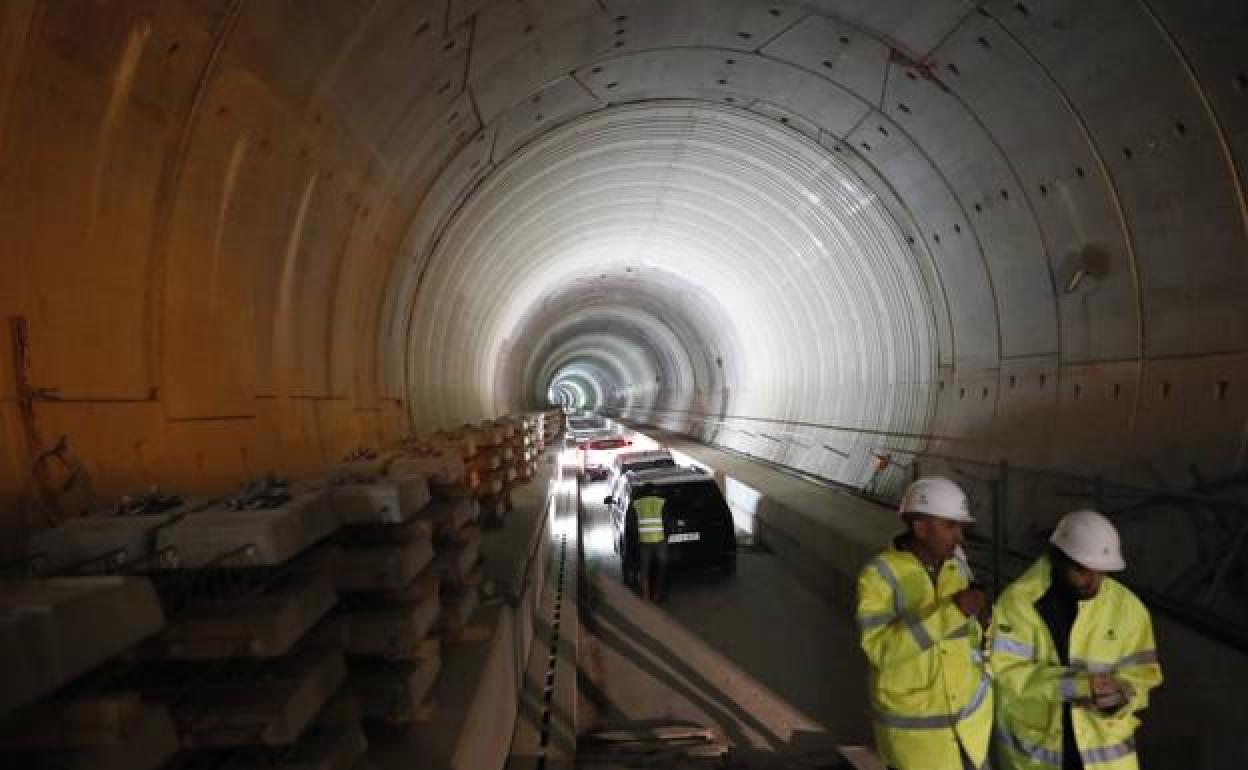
587 388
220 230
608 362
668 321
631 373
826 308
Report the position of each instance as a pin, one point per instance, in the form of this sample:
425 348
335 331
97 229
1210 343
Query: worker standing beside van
652 537
917 616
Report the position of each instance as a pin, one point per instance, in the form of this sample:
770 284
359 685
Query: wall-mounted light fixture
1089 263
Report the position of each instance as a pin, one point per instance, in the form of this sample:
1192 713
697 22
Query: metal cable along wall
1016 507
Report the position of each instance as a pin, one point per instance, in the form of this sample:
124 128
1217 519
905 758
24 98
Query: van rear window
696 502
665 462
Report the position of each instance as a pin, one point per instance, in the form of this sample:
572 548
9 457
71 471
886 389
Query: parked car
696 519
579 438
599 455
640 461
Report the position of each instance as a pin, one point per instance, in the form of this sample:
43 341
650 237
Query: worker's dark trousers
654 567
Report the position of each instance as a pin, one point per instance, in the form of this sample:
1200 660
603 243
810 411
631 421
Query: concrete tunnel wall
247 236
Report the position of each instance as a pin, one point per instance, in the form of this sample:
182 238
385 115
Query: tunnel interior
686 261
250 237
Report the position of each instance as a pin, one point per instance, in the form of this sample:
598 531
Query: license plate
684 537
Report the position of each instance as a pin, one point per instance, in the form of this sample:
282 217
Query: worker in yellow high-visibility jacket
652 537
1073 656
917 613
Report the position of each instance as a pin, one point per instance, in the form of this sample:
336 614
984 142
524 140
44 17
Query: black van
695 516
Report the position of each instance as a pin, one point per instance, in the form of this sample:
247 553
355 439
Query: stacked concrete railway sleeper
498 456
552 423
412 587
268 629
452 522
390 602
194 634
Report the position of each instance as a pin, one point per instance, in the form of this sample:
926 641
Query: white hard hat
1089 538
936 496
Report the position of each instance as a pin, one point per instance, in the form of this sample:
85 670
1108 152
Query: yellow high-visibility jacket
650 519
931 697
1112 633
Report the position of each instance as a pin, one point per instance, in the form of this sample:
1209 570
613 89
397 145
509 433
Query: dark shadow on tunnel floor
666 666
695 674
762 631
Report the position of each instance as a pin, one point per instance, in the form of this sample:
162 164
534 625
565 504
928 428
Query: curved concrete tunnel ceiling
799 275
252 236
1037 311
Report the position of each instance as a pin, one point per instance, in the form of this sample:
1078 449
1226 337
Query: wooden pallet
336 748
672 747
261 625
394 693
256 706
449 517
382 567
424 585
455 565
418 528
142 740
393 631
459 489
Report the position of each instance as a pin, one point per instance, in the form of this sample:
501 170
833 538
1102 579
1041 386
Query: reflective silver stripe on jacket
1143 657
868 622
977 700
1052 757
1013 647
1140 658
938 721
921 637
886 572
1032 751
1069 690
1108 753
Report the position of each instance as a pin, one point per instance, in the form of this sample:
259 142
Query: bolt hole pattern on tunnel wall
308 364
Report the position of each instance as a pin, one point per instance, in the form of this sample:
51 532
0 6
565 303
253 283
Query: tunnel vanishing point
243 237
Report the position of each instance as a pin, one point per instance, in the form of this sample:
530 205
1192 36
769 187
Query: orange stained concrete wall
200 202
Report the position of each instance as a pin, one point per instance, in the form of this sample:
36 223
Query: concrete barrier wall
1190 723
826 557
478 711
486 740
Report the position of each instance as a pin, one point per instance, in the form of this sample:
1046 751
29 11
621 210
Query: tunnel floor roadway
758 657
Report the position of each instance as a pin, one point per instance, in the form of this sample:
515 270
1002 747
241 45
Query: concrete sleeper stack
391 606
244 667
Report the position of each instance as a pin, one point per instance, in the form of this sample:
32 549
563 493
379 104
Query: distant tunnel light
672 259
